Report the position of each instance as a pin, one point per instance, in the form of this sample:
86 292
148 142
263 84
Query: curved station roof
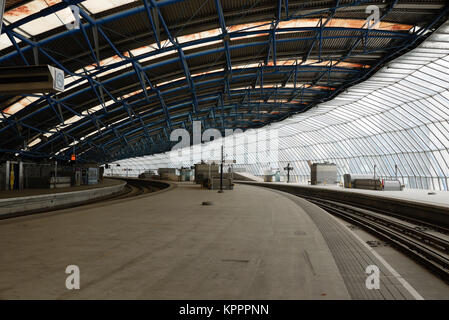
396 124
136 70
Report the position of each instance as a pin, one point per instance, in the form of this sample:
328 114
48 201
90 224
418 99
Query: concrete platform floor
249 244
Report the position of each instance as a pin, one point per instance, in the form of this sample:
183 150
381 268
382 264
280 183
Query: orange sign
73 157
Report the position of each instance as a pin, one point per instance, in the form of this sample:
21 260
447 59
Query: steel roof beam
16 46
189 80
254 92
142 77
178 116
356 43
183 60
181 57
225 34
154 24
288 89
138 69
60 6
95 56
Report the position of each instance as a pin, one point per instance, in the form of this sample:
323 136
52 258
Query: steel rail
429 250
418 222
406 234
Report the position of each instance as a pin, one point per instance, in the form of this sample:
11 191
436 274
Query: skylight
96 6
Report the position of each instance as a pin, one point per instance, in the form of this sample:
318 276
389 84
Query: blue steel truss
137 133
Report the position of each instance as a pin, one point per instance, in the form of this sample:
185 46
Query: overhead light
31 79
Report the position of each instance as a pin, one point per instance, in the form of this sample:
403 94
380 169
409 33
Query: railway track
135 187
419 223
429 246
418 235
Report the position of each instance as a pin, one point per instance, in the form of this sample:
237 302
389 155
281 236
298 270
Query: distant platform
29 201
36 192
437 198
191 243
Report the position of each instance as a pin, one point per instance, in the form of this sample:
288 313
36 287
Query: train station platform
437 198
40 191
432 207
20 202
248 243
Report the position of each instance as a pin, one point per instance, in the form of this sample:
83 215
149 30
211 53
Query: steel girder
111 135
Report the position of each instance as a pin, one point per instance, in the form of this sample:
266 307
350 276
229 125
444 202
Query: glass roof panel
96 6
49 22
27 9
5 42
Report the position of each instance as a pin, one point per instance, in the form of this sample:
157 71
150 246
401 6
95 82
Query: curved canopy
398 121
136 70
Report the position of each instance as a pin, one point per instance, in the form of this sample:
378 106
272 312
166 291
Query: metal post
8 172
374 172
20 175
396 171
221 173
288 168
211 181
